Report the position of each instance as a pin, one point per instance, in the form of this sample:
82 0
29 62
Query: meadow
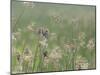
49 37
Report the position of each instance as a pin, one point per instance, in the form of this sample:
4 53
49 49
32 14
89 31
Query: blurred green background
71 32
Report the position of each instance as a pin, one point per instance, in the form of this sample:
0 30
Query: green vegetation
52 37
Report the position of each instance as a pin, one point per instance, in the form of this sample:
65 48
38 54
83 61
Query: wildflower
46 61
30 27
81 63
27 60
27 55
18 56
81 36
91 44
53 58
69 47
43 43
55 54
57 19
43 32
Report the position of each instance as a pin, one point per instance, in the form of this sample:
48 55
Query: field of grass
52 37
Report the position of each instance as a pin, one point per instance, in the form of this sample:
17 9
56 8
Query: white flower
69 47
81 36
91 44
27 57
56 54
29 27
81 63
84 65
46 61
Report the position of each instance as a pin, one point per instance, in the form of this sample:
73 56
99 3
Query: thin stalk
35 59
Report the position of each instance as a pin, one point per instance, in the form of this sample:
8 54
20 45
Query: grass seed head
81 63
91 44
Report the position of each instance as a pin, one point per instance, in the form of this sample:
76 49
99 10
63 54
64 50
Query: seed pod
18 56
45 54
45 33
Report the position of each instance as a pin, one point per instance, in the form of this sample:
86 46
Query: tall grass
71 37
